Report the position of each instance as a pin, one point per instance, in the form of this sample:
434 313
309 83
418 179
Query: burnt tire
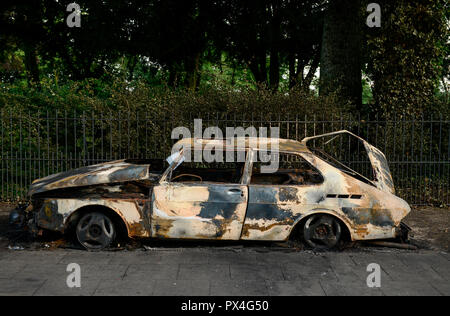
96 231
322 232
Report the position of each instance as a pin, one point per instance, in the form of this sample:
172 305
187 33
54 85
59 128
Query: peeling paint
151 206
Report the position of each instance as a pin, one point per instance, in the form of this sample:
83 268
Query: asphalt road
224 272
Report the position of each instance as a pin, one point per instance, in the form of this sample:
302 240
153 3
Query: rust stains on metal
107 173
257 207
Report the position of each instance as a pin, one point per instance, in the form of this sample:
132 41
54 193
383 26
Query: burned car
308 196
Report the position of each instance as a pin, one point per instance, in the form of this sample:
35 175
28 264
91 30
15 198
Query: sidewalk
210 271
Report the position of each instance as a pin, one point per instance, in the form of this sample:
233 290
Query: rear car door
276 200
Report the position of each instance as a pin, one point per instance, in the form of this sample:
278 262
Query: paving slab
204 272
443 287
42 271
182 288
152 271
408 288
136 257
98 271
239 288
43 257
85 257
333 288
126 287
58 287
183 257
256 272
231 257
304 287
20 286
9 270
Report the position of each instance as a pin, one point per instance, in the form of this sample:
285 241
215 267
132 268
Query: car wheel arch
115 215
298 223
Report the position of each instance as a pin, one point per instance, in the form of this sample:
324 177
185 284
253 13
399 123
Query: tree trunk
259 69
341 51
275 38
173 76
274 72
292 73
192 67
31 65
312 71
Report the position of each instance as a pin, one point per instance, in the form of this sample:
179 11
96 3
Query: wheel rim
322 232
95 231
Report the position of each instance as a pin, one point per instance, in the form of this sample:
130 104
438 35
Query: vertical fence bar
74 157
48 144
403 160
440 189
83 122
3 157
110 136
102 148
137 149
120 135
7 177
448 162
128 134
20 158
93 138
66 157
411 161
430 159
10 162
57 140
422 143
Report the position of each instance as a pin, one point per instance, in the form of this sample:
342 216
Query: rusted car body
144 200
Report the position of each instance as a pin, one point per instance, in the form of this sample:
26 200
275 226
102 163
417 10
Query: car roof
255 143
258 143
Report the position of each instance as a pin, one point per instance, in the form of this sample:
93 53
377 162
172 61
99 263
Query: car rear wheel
96 231
322 232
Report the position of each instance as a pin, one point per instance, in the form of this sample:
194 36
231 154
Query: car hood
107 173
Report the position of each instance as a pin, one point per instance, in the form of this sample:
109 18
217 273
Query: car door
278 199
192 209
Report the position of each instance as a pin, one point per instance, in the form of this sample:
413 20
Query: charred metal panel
108 173
131 190
49 217
55 213
273 211
242 143
223 211
193 211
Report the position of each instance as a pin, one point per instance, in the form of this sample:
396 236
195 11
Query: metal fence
37 145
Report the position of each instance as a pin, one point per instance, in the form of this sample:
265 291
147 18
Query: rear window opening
346 153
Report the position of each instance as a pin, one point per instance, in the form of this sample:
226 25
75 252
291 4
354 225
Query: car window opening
214 172
346 152
293 170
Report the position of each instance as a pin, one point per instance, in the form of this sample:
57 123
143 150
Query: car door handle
235 191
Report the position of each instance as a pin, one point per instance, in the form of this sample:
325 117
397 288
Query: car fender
331 212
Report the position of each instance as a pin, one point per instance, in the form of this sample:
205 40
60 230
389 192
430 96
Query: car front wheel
95 231
322 232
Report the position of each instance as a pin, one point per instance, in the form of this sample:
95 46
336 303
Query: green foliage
152 50
405 55
215 97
